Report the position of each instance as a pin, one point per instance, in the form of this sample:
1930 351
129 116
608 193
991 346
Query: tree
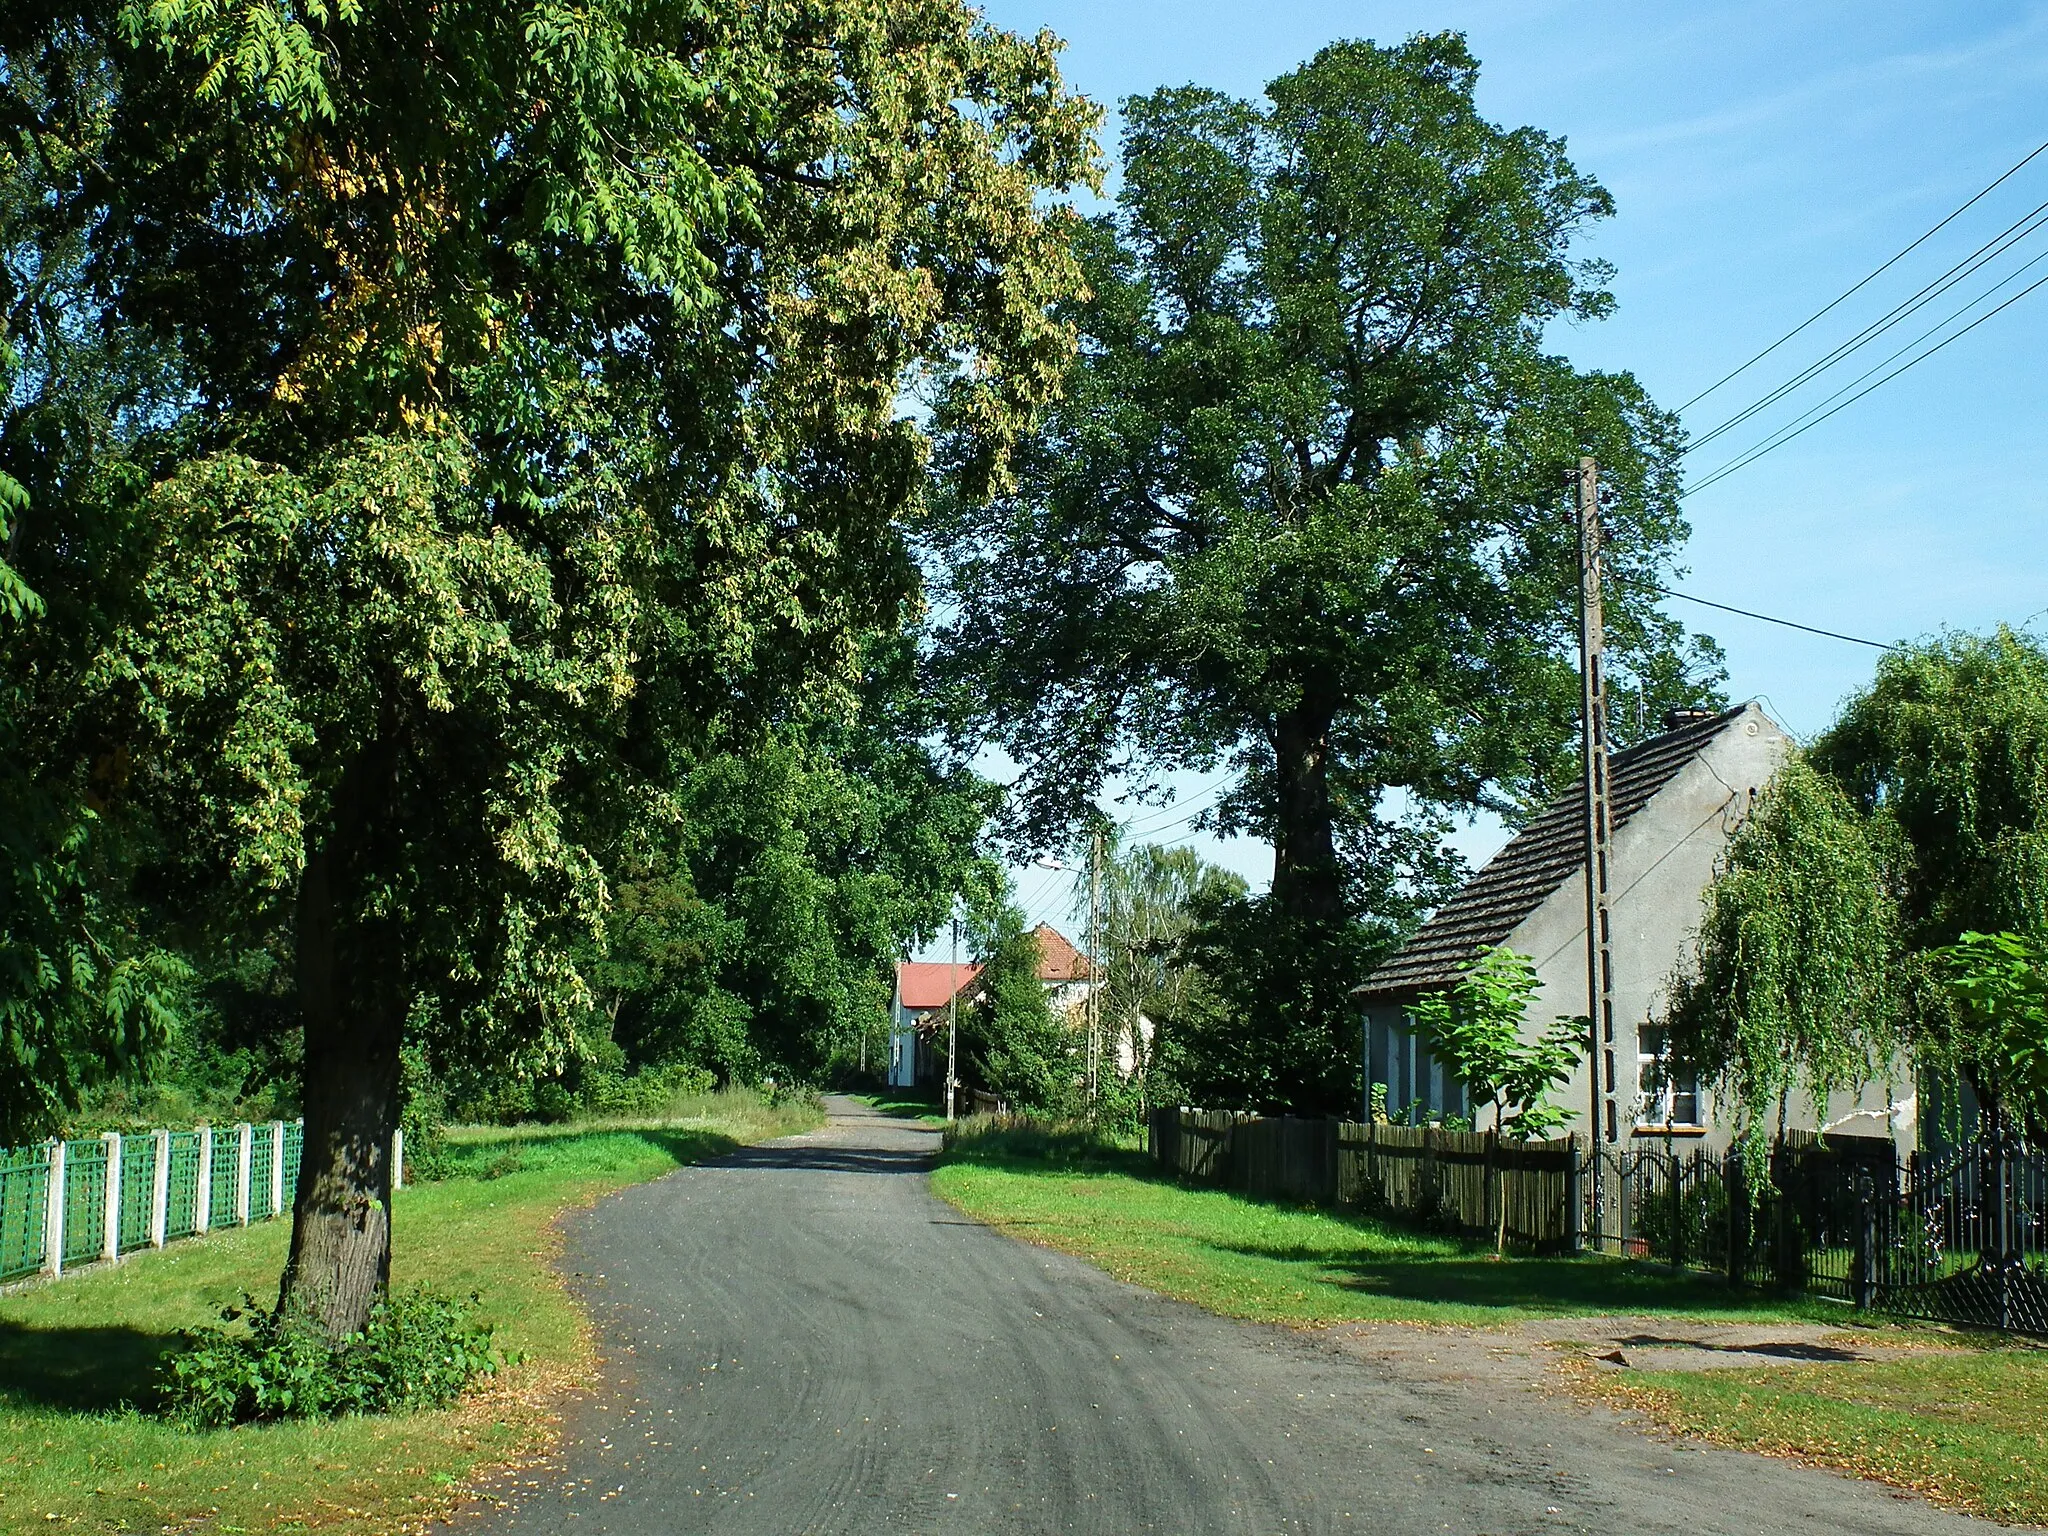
541 434
1476 1030
90 990
1836 934
1999 983
1009 1037
1152 898
1792 986
1302 507
1946 755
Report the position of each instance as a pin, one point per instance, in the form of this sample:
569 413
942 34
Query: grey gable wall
1665 857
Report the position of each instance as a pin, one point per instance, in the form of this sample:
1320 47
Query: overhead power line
2012 235
1767 618
1871 277
1806 423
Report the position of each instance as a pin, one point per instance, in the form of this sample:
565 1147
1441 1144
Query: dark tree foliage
1011 1044
1303 506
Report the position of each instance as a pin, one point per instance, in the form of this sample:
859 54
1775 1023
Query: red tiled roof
1058 960
924 984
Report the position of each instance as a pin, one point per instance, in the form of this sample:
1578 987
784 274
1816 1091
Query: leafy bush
420 1350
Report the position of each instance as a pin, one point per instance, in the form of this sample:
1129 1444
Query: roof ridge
1539 858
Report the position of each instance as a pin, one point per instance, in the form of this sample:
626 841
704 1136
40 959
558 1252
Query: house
1675 799
924 989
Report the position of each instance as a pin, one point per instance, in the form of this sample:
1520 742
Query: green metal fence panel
85 1199
181 1214
261 1153
24 1207
138 1189
221 1210
294 1155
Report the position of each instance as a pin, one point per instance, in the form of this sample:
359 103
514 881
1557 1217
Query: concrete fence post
276 1167
244 1134
202 1201
53 1214
160 1192
110 1213
398 1158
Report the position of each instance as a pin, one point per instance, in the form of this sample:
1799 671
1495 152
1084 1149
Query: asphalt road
803 1338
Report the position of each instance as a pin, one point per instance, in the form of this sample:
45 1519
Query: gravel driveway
803 1338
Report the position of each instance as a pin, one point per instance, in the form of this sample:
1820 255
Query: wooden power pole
1094 962
953 1023
1599 831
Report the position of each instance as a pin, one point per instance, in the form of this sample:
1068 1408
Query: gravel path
802 1338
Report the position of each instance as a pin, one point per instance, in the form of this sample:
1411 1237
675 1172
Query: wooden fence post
1574 1202
398 1157
160 1191
202 1199
110 1212
53 1214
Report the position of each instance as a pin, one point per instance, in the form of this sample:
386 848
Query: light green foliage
1948 751
1302 508
1792 989
1476 1030
2000 985
1152 899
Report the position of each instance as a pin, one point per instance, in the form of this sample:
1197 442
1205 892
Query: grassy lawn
1284 1264
1964 1428
78 1449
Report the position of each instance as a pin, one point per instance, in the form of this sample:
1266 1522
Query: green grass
1288 1264
78 1449
1964 1428
910 1106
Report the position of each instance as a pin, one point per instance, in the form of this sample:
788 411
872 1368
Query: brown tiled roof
1541 857
926 984
1057 959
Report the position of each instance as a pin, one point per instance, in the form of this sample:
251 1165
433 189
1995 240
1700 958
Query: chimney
1679 719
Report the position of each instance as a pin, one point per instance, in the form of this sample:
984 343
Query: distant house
1675 800
924 989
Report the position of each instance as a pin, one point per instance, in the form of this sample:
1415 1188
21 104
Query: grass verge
78 1449
1962 1428
1287 1264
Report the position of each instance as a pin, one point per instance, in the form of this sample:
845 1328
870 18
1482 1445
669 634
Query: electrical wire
1963 270
1863 283
1767 618
1803 424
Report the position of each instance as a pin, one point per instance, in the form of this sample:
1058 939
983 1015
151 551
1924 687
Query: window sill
1670 1130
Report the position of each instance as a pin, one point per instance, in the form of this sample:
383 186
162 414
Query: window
1671 1094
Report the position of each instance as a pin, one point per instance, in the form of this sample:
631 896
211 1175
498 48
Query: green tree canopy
1011 1043
1302 509
538 435
1837 931
1793 988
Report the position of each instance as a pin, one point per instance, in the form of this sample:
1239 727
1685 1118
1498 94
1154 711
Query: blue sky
1763 157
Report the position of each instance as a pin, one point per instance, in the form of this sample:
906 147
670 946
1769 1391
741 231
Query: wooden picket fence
1459 1180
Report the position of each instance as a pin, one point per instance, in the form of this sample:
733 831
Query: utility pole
1599 830
1094 963
953 1023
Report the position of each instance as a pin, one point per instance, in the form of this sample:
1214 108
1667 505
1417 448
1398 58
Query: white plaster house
925 988
1675 800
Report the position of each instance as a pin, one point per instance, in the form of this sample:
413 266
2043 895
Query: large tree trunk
353 1002
1307 883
